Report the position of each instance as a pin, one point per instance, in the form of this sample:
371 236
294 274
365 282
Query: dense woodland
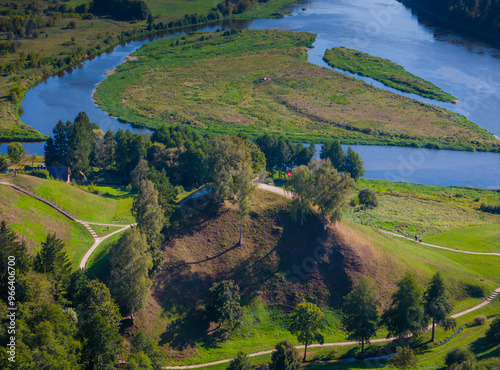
478 15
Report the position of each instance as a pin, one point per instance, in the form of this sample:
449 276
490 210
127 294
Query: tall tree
406 314
139 173
244 187
286 357
307 321
353 164
301 186
335 153
438 305
150 218
303 155
16 152
330 191
130 264
53 261
360 312
101 343
141 343
3 163
95 298
224 303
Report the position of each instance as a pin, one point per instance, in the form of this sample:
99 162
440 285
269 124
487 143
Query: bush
368 197
490 208
43 174
479 320
285 357
475 291
458 356
404 358
354 201
493 333
240 362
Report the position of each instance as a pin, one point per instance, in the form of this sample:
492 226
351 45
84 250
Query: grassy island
385 71
260 81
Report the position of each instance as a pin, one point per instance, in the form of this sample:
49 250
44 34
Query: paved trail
97 240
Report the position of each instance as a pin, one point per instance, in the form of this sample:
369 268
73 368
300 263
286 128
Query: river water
467 69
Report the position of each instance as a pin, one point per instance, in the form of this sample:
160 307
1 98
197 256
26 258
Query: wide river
468 69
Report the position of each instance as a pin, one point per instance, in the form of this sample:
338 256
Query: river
468 69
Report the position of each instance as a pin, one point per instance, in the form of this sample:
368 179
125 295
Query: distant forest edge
477 16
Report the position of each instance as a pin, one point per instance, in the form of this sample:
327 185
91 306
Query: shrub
475 291
458 356
43 174
404 358
490 208
240 362
493 333
479 320
368 197
285 357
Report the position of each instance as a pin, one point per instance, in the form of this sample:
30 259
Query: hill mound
280 264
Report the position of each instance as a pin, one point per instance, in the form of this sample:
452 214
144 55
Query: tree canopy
307 321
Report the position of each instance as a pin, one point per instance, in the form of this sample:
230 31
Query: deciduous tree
224 303
404 358
307 321
301 185
353 164
16 152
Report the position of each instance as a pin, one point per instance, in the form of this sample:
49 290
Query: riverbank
261 81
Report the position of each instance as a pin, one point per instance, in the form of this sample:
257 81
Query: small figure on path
406 234
416 238
420 240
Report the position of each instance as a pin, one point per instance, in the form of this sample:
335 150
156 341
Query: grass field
33 220
111 208
98 263
260 81
429 210
272 244
383 70
103 230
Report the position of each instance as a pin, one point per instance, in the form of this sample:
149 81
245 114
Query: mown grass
101 230
33 220
428 210
82 205
484 238
97 266
260 81
385 71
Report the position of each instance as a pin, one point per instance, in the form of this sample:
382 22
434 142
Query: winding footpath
97 240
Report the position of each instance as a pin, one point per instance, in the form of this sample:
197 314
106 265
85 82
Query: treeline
62 319
479 15
124 10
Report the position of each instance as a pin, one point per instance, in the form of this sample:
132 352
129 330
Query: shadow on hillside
481 345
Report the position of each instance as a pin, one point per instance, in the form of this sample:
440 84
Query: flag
81 173
289 174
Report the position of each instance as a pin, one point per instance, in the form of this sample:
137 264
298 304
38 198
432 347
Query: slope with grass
385 71
112 207
260 81
33 220
279 265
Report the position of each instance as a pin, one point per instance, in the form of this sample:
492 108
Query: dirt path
334 344
97 240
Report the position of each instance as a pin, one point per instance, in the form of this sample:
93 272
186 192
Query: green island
260 81
385 71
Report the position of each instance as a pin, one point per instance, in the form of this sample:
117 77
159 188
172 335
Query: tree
360 312
53 261
16 152
286 357
240 362
139 173
307 321
244 187
142 346
404 358
130 263
101 343
367 197
82 143
3 163
150 217
437 304
493 333
224 304
353 164
95 298
406 314
335 153
301 185
330 191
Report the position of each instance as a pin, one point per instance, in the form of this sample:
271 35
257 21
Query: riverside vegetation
383 70
260 81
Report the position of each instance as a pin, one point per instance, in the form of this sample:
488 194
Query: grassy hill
33 220
112 207
280 264
260 81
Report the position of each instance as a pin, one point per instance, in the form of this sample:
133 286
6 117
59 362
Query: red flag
289 174
81 173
